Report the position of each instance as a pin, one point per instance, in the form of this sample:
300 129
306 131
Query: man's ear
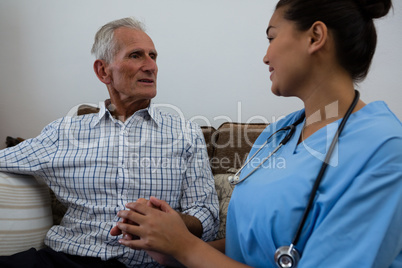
100 68
318 36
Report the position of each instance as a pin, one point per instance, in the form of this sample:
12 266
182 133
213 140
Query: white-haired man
96 163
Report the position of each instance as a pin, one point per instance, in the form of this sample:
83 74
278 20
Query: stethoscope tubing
257 167
324 167
235 178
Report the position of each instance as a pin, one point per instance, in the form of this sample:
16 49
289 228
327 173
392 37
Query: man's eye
270 39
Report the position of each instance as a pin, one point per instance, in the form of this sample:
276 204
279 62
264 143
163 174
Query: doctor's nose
265 59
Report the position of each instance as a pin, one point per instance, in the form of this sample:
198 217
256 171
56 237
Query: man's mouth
146 80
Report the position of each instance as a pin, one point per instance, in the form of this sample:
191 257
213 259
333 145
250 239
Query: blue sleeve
31 156
199 196
363 229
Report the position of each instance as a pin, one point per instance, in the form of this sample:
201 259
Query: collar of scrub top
235 179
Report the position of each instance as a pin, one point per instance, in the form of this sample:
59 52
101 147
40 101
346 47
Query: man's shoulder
72 122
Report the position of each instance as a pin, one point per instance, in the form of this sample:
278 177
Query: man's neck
123 110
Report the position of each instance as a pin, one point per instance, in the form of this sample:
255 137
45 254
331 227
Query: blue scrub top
356 218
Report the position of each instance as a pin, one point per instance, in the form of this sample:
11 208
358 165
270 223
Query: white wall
210 59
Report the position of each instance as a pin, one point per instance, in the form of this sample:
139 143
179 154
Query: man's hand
162 233
115 231
192 224
158 229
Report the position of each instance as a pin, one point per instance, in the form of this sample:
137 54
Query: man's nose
149 65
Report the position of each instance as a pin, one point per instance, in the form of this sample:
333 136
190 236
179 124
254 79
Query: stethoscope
288 256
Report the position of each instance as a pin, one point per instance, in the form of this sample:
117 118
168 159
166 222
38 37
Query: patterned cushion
231 144
25 213
224 190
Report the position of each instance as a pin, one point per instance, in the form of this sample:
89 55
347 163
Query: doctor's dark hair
350 21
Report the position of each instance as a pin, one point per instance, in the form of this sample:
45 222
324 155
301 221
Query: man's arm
218 244
193 224
31 156
199 198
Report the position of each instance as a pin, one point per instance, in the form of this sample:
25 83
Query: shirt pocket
161 177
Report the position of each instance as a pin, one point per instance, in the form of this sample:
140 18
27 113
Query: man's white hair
104 47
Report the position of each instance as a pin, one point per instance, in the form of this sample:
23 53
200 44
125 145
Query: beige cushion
25 213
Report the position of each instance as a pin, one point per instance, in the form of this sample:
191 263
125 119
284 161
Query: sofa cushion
208 131
232 143
87 109
224 190
25 213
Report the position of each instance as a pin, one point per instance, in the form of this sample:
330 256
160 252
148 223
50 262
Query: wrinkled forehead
130 38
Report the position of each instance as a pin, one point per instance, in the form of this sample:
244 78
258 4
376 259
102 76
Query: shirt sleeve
31 157
363 229
199 197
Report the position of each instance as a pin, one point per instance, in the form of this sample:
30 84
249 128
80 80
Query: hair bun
374 8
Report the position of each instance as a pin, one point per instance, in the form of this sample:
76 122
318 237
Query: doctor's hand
115 231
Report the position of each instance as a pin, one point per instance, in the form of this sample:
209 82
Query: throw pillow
25 213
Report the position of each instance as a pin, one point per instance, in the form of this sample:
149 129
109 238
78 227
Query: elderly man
96 163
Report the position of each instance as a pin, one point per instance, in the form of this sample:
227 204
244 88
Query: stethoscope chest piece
286 257
234 179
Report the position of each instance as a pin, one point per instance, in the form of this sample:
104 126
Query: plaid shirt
96 164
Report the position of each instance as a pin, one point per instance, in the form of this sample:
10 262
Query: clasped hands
151 225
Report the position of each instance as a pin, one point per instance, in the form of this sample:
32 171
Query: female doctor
337 201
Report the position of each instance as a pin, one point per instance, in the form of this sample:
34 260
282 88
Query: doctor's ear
101 71
318 36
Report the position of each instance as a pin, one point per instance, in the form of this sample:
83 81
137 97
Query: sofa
28 208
